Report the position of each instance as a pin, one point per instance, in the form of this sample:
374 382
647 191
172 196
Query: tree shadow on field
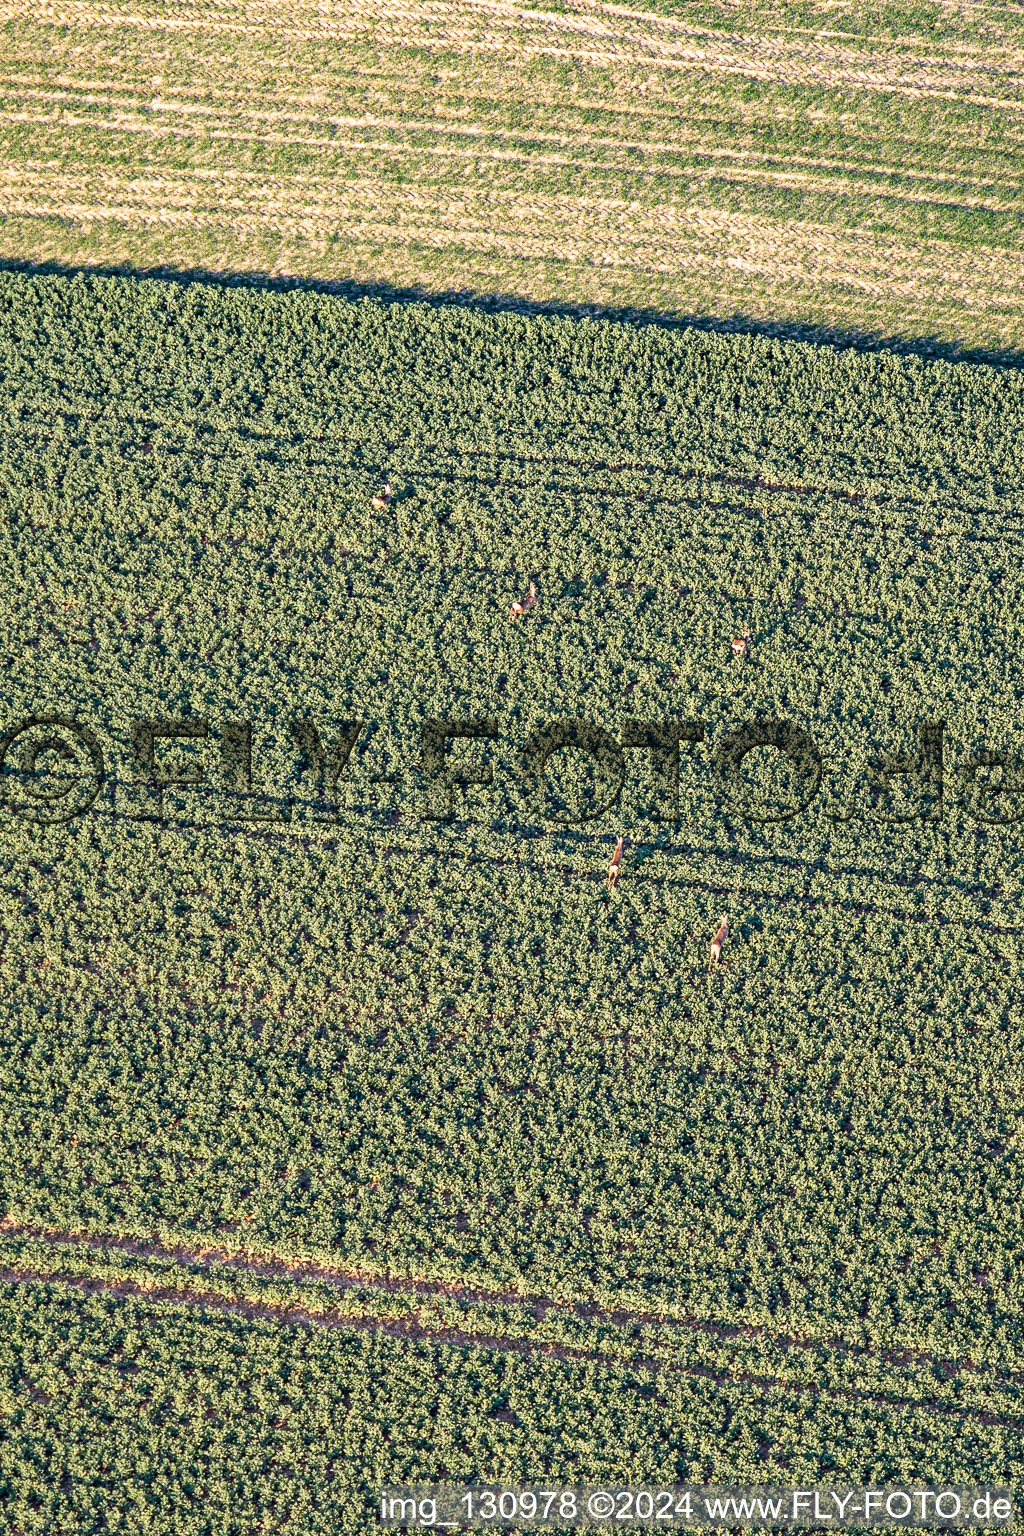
839 339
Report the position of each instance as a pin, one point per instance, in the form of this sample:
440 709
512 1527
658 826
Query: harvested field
836 170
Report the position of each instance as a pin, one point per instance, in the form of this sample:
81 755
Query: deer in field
529 601
716 944
613 867
382 499
739 646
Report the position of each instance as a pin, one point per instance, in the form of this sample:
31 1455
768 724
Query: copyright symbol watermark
601 1505
51 769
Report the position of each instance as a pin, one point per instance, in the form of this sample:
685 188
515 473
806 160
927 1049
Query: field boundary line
629 234
212 1303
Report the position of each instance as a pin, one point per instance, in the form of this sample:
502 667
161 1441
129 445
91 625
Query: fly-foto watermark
444 1506
54 768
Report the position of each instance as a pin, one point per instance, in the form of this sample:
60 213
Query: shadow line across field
839 339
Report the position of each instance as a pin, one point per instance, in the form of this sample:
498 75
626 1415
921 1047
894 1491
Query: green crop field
351 1129
815 167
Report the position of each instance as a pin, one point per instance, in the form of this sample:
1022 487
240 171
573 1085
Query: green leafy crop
314 976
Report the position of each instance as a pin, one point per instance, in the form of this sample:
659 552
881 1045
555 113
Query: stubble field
815 169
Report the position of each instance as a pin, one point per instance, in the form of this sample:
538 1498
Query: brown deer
739 647
382 499
529 601
716 944
613 867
